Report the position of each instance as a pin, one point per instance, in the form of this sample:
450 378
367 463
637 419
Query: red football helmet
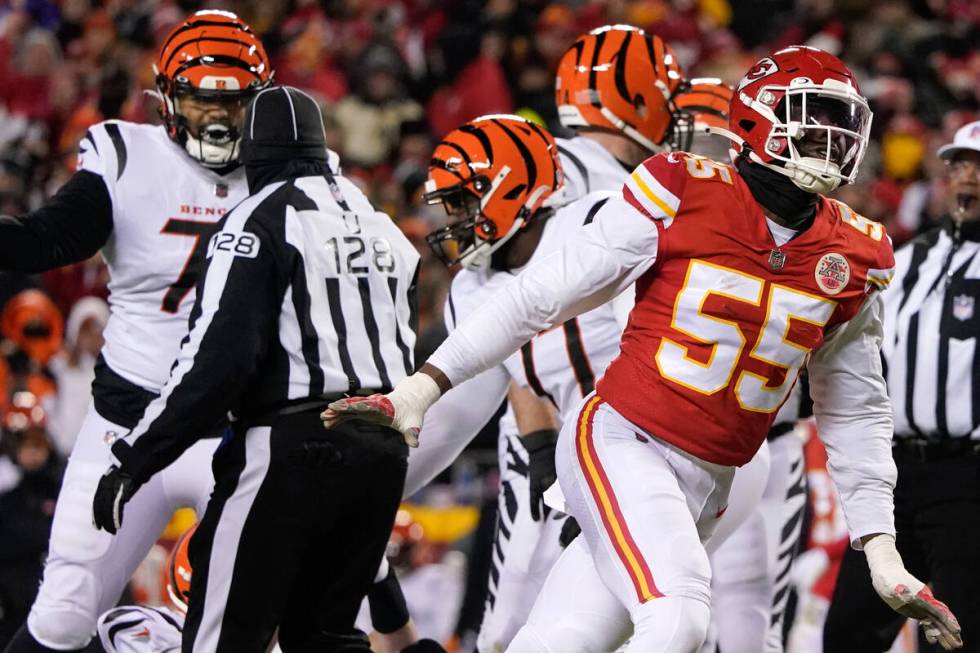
800 112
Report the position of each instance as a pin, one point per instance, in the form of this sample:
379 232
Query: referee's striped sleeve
232 323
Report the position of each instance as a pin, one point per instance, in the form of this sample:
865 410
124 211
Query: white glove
907 595
402 409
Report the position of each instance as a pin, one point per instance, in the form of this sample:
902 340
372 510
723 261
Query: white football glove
402 409
909 596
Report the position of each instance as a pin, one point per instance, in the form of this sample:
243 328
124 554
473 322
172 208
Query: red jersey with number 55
725 319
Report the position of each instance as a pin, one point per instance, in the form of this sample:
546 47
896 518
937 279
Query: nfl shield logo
963 307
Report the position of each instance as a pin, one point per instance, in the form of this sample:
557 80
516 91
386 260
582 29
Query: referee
308 295
930 350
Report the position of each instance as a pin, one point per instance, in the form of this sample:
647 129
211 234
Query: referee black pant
293 535
937 516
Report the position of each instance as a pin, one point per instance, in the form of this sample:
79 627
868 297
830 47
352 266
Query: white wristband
888 571
415 393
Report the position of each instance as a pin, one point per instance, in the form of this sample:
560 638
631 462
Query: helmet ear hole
481 184
747 125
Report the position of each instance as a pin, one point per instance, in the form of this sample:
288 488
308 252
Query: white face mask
217 146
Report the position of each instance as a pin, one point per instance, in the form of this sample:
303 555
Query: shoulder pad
872 245
656 186
103 149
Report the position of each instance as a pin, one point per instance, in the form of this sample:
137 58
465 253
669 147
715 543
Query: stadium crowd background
393 76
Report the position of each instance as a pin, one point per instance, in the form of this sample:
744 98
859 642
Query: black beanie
282 124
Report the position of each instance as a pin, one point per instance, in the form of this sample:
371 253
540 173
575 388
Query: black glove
116 487
569 531
540 447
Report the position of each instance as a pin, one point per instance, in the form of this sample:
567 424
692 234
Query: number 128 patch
239 244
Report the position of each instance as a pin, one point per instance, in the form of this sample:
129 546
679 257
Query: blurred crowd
392 77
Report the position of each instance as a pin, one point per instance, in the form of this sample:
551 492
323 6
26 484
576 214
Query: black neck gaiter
779 194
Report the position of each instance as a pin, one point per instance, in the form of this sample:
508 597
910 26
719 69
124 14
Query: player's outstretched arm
594 266
853 414
71 227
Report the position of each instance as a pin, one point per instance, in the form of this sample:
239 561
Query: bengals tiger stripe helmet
178 572
702 103
213 57
493 174
32 321
621 79
705 100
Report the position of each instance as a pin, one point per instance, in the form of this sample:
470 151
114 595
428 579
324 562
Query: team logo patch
764 68
963 307
832 273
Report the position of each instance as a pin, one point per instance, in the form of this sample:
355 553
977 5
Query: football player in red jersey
744 274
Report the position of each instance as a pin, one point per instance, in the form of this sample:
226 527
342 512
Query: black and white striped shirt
308 291
932 323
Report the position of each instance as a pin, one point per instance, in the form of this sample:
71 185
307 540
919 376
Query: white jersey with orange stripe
588 167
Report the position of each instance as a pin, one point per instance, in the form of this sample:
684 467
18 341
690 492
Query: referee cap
967 138
283 124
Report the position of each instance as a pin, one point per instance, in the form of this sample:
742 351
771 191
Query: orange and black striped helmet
213 55
492 174
32 321
706 99
620 78
177 573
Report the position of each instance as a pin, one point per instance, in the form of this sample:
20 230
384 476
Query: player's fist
116 487
909 596
401 409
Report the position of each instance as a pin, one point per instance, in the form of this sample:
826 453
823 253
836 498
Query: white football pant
87 569
646 509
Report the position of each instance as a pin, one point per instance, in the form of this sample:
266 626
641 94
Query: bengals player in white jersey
613 137
744 274
149 197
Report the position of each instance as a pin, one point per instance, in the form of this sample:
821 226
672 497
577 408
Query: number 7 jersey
165 208
724 320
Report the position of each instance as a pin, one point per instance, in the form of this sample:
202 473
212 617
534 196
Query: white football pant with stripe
646 509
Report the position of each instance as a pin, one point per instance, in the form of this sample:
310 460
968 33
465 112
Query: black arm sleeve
72 226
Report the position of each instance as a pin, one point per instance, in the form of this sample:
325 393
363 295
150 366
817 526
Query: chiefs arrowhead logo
763 68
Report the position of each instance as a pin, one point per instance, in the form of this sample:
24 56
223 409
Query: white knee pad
670 624
64 629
